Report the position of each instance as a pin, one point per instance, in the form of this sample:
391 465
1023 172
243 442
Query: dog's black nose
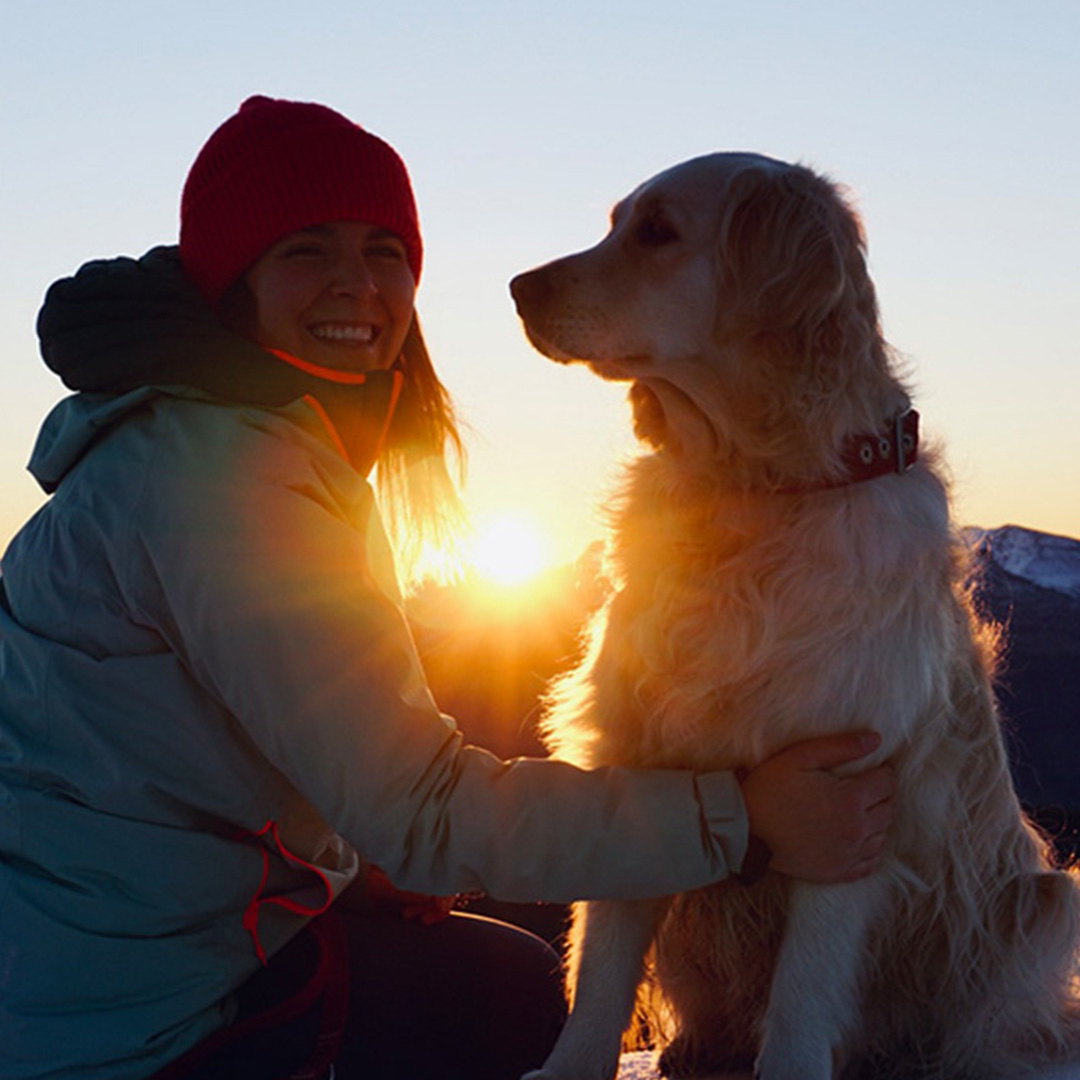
530 290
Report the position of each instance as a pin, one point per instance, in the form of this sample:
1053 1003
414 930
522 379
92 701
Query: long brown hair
418 491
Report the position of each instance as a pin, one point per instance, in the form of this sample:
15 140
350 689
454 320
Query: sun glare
509 550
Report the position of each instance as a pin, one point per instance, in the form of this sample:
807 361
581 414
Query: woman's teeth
363 335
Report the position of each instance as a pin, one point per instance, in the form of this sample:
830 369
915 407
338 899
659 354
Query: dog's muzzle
532 292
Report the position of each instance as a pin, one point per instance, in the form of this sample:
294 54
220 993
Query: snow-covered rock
1046 560
1029 583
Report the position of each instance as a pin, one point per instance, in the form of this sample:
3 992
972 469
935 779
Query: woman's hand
819 826
426 910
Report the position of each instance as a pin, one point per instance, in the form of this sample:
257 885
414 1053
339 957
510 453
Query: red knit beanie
278 166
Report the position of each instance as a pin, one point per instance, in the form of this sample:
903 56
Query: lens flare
510 550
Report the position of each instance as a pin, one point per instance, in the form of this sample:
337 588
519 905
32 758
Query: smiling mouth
346 333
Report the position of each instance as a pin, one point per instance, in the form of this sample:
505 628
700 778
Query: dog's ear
650 423
787 246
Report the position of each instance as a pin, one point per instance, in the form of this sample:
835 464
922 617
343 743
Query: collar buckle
906 439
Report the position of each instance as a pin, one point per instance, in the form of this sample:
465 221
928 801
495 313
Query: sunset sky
954 124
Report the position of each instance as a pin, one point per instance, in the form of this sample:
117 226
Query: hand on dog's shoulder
821 827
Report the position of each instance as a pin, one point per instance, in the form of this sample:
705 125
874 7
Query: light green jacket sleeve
259 555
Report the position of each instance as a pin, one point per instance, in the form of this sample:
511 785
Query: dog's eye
656 231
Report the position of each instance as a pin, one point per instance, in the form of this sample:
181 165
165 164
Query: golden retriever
784 566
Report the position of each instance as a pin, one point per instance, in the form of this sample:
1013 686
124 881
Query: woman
212 717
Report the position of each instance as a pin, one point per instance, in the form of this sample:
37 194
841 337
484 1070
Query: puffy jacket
210 701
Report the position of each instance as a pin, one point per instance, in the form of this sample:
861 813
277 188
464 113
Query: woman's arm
271 577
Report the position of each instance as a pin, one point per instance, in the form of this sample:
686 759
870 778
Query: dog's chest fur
741 622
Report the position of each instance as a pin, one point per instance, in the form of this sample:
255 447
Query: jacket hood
122 323
123 330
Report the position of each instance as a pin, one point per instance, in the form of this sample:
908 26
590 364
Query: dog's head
733 291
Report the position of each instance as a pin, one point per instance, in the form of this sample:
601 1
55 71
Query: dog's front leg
611 947
814 1003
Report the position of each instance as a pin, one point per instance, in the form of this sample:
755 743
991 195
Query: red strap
251 913
346 378
333 968
329 981
367 451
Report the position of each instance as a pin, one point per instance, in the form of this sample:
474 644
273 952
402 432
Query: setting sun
509 550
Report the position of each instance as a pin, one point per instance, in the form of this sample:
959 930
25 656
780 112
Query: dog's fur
755 606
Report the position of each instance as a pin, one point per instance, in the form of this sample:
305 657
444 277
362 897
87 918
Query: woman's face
339 295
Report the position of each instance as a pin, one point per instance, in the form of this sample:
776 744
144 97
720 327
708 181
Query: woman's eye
302 251
656 232
386 251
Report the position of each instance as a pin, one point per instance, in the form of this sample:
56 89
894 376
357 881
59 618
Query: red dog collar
864 457
892 451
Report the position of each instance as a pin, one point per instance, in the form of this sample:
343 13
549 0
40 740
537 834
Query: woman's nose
352 276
